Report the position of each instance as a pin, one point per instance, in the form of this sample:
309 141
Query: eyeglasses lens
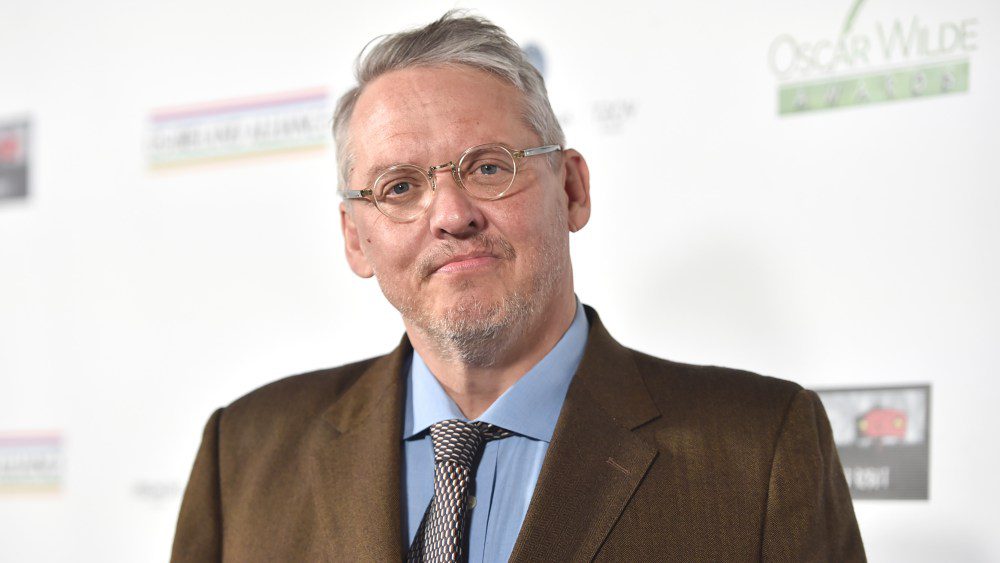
402 192
487 171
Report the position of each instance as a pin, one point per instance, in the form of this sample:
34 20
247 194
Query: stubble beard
476 332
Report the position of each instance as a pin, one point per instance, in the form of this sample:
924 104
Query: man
508 424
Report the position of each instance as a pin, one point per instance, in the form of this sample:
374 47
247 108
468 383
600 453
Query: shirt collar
530 407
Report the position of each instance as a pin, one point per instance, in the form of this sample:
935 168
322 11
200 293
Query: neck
474 386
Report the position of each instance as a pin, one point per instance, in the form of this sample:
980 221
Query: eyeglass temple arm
356 194
537 150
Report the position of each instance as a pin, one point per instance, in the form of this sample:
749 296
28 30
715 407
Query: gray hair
455 39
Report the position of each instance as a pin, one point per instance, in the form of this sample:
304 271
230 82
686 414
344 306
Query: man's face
465 264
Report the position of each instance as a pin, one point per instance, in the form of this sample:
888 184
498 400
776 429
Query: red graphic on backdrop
883 423
10 148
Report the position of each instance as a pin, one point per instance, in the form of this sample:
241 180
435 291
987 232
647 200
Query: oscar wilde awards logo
872 61
14 160
882 439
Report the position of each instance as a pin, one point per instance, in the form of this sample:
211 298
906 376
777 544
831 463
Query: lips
479 251
464 262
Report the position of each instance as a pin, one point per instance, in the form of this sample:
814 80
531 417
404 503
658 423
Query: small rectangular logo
30 462
248 127
882 436
14 159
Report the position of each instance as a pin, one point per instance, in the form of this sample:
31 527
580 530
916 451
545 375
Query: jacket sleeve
809 515
199 526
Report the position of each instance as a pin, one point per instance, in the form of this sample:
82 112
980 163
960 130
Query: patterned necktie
457 445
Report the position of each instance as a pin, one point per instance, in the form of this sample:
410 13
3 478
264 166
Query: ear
352 244
577 186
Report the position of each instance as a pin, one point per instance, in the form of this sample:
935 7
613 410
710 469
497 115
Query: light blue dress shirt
508 470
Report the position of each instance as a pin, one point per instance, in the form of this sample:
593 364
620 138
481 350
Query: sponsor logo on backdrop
882 439
263 125
611 116
30 462
14 159
156 492
866 62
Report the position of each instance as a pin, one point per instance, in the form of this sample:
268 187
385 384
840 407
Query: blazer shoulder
725 393
299 397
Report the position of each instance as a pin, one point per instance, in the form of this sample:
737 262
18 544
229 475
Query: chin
473 326
472 305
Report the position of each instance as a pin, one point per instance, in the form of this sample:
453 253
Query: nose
453 213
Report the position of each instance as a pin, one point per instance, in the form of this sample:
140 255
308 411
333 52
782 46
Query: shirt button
472 502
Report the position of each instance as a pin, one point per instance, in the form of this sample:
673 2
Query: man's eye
488 169
399 188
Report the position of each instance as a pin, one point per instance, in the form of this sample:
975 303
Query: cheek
371 234
533 225
387 250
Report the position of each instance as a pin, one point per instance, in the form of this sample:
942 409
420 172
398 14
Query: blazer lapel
594 463
357 456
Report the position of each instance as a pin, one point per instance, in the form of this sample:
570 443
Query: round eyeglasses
403 191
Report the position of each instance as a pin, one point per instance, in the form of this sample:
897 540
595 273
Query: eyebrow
378 167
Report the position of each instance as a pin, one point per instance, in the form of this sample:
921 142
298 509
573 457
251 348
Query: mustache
479 243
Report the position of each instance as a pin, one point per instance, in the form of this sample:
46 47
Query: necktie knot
460 442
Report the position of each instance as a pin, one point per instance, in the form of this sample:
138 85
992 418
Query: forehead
424 114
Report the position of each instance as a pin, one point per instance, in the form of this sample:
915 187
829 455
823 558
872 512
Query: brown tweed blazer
651 460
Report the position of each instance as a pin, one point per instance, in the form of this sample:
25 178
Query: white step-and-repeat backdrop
803 189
